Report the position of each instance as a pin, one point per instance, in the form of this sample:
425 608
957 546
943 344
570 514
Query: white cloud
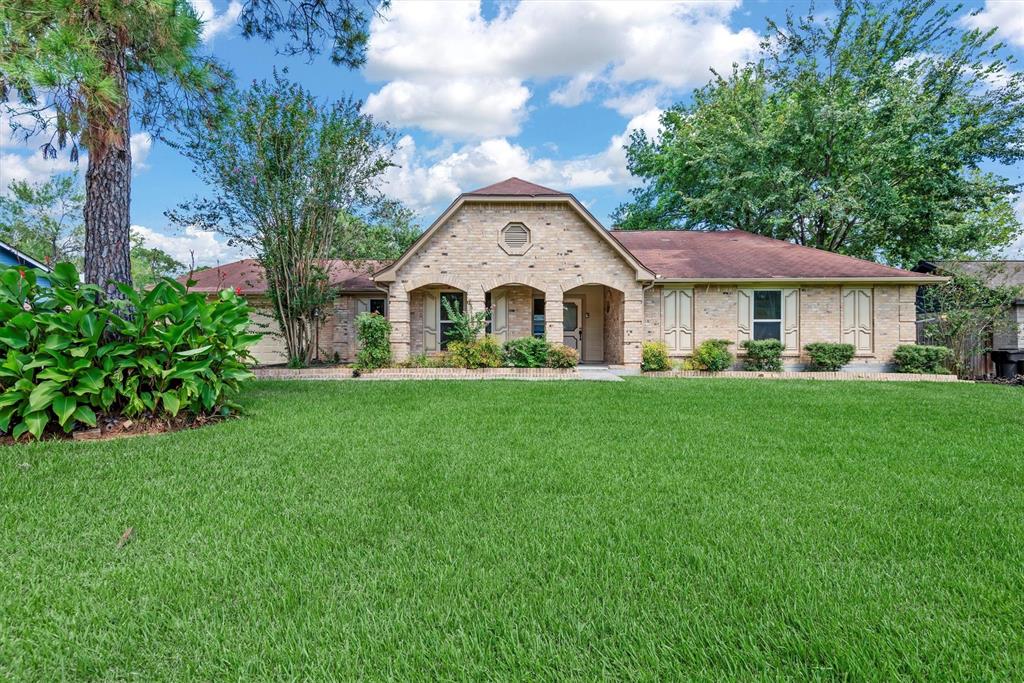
208 249
423 184
436 51
1005 15
575 91
214 23
487 107
30 167
140 144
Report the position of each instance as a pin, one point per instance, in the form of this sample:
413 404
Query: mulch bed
117 427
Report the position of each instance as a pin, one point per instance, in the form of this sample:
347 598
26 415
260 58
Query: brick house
544 266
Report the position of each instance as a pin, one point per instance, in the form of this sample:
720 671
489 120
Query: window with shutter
744 298
677 319
791 319
857 319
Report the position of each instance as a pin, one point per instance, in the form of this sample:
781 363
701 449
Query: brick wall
565 253
715 317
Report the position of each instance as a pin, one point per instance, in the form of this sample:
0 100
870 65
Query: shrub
654 357
465 327
526 352
562 356
68 357
374 334
829 357
485 352
712 355
763 354
922 359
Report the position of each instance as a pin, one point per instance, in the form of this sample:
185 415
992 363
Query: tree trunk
108 188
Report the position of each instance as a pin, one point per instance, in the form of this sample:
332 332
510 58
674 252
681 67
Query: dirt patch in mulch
114 427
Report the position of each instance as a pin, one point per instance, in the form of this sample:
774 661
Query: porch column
553 330
475 300
633 328
398 315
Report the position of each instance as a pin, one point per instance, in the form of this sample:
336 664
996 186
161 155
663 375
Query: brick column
475 301
553 330
633 328
398 314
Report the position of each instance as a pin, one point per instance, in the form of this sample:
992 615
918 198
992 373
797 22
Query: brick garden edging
418 373
572 373
303 373
748 374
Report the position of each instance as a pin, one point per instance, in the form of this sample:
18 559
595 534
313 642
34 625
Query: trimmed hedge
526 352
929 360
828 356
763 354
561 356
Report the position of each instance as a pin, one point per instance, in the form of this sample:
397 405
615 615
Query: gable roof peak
515 187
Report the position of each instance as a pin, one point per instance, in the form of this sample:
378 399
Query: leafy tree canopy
44 220
865 134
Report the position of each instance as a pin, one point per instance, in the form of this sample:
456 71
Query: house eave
894 280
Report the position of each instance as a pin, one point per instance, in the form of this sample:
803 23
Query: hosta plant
70 354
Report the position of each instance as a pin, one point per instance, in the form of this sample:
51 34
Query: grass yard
648 529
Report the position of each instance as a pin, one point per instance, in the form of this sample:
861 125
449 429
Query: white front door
572 326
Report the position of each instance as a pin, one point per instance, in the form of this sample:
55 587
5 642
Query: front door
572 326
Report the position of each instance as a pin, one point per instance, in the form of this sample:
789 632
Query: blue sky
547 91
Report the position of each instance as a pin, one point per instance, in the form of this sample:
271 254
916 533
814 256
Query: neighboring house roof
247 275
994 273
739 255
17 257
515 187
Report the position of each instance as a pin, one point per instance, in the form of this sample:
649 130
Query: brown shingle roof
247 275
515 187
729 254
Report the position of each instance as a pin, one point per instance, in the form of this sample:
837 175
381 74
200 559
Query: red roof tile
727 254
247 275
515 187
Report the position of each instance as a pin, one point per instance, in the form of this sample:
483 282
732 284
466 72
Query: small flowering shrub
374 334
654 357
763 354
526 352
562 356
484 352
67 358
712 355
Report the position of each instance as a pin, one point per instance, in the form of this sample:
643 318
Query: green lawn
520 530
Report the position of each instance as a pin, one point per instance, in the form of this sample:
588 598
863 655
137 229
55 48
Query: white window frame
781 320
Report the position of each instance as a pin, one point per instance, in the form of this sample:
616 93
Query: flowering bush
562 356
654 357
480 353
69 354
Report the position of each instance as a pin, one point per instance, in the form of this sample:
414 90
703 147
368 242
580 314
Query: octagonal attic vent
515 239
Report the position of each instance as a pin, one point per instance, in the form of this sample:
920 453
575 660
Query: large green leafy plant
67 358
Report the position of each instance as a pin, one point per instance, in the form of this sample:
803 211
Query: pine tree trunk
108 189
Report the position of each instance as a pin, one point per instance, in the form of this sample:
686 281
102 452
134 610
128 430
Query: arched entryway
516 308
592 322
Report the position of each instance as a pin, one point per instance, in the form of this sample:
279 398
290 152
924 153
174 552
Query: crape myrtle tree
872 133
285 174
79 71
